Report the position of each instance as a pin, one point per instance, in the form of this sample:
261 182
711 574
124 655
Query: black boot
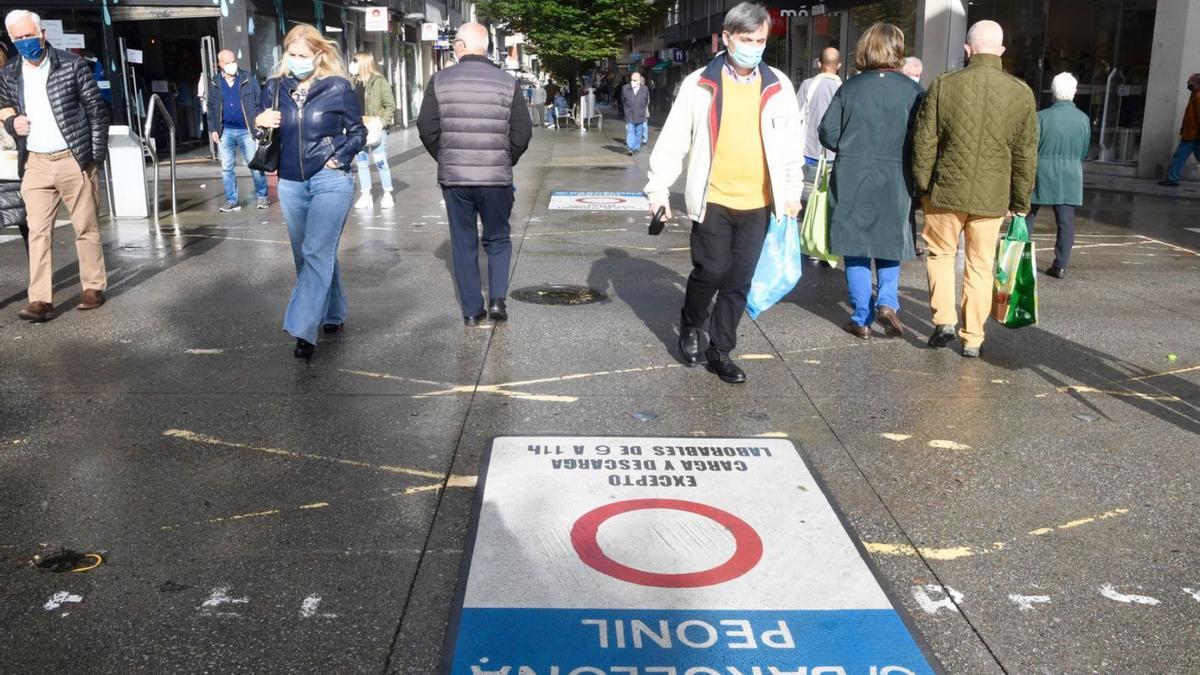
721 364
304 349
497 310
943 335
689 344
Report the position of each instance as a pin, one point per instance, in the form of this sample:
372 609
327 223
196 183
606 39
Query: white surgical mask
354 68
230 68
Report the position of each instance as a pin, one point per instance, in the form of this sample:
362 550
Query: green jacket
378 100
976 139
1064 136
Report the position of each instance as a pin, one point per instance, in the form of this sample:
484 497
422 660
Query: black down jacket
74 96
12 207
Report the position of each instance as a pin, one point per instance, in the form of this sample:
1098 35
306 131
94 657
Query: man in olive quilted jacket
975 160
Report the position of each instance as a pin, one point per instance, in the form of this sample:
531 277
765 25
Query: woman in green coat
375 96
868 124
1064 135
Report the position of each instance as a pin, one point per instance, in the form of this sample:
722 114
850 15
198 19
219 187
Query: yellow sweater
739 168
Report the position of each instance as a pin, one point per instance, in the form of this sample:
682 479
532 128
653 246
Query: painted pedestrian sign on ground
666 556
598 201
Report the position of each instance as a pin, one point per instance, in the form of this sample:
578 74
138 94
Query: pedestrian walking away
1064 137
869 124
234 97
474 123
744 164
974 160
320 125
379 111
814 96
635 100
61 126
12 206
1189 134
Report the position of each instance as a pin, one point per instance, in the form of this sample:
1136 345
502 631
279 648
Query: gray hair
747 17
1064 86
19 14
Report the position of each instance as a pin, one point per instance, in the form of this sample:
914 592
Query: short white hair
19 14
1063 86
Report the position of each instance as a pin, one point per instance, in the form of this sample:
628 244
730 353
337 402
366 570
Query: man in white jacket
737 123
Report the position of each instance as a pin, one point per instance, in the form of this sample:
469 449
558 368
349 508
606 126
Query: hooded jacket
81 114
691 131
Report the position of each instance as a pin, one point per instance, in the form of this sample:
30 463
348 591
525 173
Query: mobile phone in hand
658 222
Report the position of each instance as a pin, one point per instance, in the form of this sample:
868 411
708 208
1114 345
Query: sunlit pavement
1033 510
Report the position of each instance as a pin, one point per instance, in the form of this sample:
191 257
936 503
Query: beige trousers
49 181
942 230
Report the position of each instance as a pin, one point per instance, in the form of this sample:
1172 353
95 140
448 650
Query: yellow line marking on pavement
210 440
205 351
896 437
385 376
246 516
755 357
1115 513
772 434
454 481
1163 374
958 552
1124 394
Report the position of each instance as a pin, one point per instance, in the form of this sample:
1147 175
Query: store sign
441 43
54 30
700 556
377 20
133 55
69 41
678 55
716 44
429 32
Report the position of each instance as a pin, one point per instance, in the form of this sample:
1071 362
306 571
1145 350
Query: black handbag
266 158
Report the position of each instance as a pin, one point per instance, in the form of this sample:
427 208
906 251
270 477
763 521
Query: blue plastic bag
779 267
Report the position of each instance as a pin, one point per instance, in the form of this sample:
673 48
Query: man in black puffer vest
475 124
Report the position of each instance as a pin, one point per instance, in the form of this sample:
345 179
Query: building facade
1131 57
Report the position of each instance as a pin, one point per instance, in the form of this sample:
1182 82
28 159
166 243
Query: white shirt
44 134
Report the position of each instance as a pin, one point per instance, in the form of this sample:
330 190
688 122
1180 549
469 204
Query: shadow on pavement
651 290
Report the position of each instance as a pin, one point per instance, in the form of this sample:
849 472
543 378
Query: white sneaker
364 201
387 202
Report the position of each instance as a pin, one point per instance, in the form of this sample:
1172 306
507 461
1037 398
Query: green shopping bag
1015 299
814 234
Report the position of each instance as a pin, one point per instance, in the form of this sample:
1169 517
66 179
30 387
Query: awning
660 66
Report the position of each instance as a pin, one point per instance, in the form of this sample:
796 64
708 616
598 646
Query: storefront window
901 13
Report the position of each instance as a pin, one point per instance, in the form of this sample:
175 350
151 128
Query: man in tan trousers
52 106
975 160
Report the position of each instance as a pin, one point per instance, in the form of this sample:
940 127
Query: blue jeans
1181 157
635 135
315 211
858 279
378 156
233 140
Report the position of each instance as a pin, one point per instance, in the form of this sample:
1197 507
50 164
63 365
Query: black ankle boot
724 367
304 349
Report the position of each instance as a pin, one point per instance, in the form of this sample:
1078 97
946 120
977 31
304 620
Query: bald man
974 160
814 96
475 124
232 107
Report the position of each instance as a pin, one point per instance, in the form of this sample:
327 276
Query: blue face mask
301 68
746 56
31 48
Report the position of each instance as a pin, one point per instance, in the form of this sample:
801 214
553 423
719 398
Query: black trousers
725 250
465 207
1064 217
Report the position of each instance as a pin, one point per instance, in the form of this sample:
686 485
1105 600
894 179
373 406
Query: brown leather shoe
37 312
860 332
91 299
886 316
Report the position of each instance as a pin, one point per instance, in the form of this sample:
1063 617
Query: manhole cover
53 559
558 295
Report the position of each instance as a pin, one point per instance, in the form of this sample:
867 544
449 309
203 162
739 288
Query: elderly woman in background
1064 135
869 125
12 205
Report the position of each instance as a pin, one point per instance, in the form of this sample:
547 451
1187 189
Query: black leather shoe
497 310
1056 272
331 328
304 349
725 368
472 321
942 336
689 345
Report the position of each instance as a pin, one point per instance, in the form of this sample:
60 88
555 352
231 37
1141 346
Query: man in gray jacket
814 96
475 123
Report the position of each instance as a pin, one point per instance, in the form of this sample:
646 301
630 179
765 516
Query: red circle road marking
748 552
600 200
